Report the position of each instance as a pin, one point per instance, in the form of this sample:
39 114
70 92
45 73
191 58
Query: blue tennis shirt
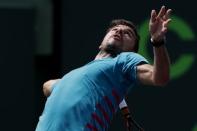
86 98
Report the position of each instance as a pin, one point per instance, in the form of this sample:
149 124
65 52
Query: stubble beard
113 49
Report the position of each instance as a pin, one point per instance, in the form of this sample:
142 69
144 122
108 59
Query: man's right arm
47 86
158 73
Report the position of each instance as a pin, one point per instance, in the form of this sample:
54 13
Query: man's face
120 38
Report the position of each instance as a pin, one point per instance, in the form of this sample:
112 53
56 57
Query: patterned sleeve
130 62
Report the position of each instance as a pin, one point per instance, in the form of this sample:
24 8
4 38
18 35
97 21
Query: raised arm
158 73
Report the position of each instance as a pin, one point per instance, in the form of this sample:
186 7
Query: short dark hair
130 24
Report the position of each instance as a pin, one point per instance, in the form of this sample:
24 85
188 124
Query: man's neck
101 55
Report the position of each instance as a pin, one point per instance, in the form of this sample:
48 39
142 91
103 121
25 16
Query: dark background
42 40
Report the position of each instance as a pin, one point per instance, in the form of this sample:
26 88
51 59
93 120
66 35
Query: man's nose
119 31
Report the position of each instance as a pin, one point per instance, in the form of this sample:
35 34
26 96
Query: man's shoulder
129 54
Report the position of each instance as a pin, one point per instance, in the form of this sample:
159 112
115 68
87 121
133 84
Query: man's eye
114 29
127 33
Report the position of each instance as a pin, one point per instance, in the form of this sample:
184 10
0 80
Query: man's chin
113 49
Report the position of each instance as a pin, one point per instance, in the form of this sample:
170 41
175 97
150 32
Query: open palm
158 23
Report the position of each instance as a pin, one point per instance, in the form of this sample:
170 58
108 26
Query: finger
153 16
166 22
167 15
162 12
164 31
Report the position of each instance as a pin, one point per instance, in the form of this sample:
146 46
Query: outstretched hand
158 23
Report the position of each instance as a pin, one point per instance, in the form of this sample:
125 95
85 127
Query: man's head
121 36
